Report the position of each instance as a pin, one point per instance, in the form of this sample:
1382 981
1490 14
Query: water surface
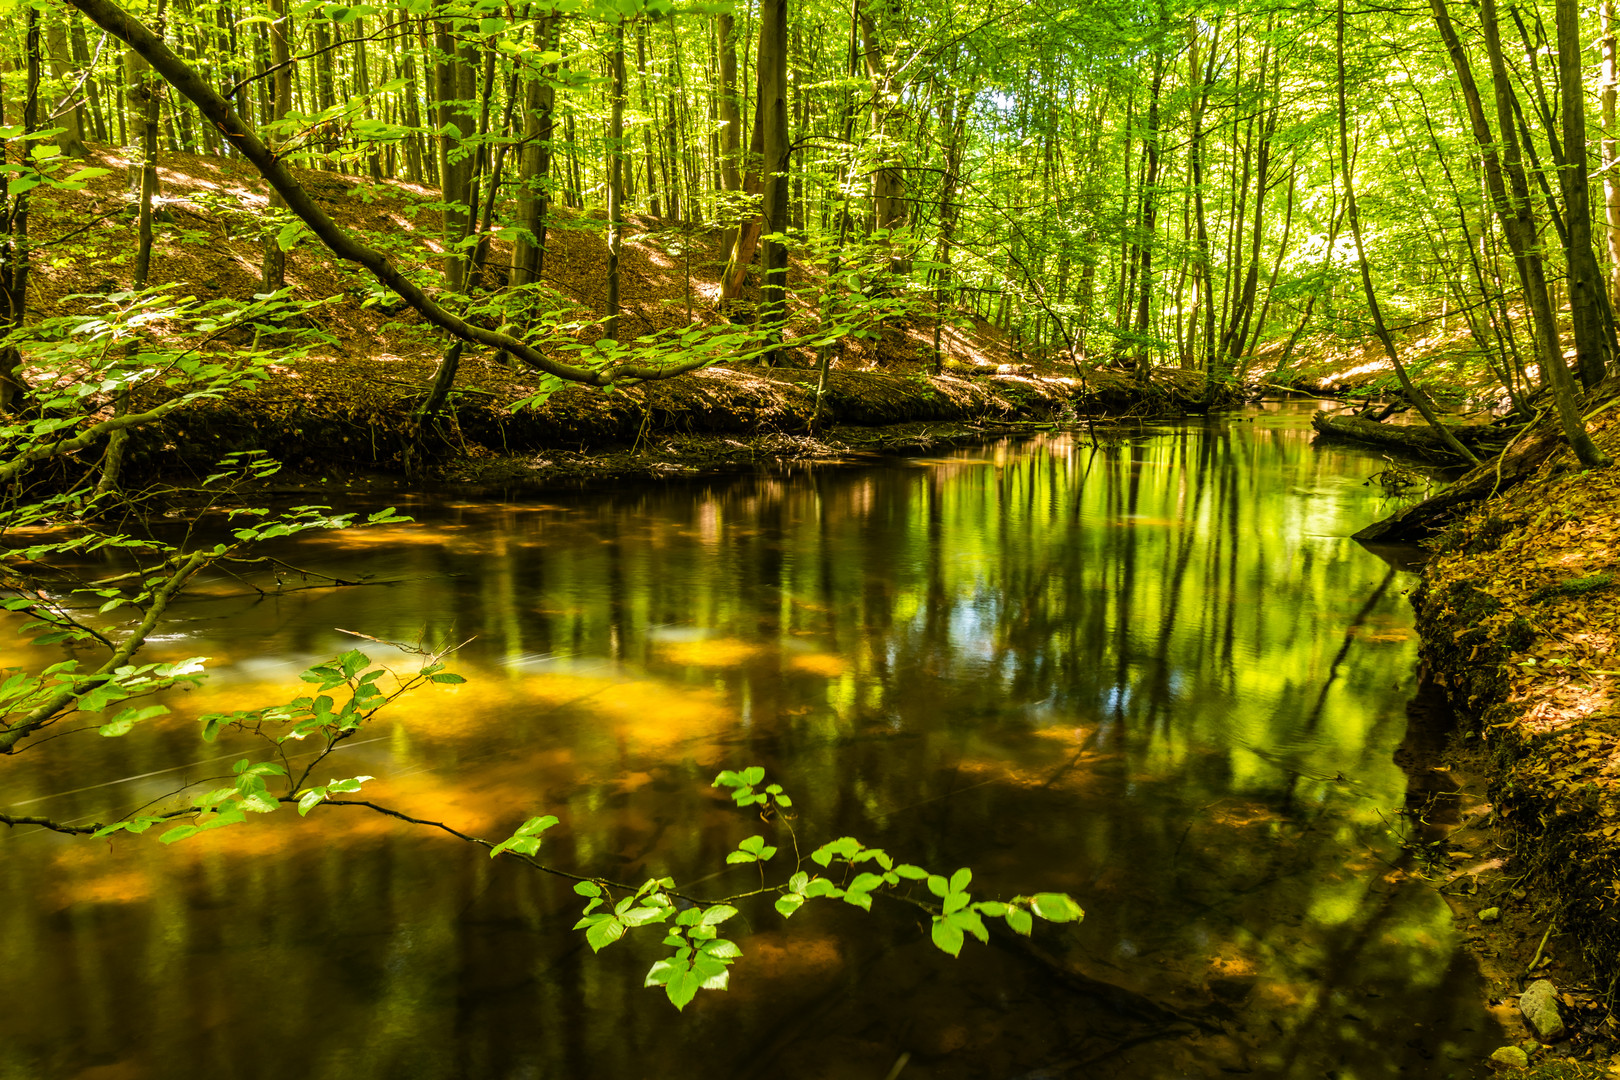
1154 674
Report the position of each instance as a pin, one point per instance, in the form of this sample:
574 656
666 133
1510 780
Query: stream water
1156 675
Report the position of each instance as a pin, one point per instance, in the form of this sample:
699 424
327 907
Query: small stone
1490 914
1539 1004
1511 1057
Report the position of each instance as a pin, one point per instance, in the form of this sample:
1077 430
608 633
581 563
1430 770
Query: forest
352 361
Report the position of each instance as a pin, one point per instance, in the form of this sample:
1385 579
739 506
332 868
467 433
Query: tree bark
68 113
1610 150
273 269
1594 347
615 172
773 61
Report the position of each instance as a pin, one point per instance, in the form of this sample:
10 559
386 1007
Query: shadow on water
1154 674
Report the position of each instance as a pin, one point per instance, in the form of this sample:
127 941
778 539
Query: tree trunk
534 183
1610 151
68 113
273 270
773 61
615 174
454 84
1414 393
730 120
1594 347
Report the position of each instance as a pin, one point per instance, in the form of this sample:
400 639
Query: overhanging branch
218 111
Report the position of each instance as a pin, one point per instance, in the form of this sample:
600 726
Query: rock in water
1511 1057
1539 1004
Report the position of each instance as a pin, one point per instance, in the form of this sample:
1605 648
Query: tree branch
124 26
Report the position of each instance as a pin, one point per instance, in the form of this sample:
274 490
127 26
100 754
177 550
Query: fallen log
1414 439
1422 520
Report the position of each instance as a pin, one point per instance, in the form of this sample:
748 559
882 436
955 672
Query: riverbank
343 423
1519 611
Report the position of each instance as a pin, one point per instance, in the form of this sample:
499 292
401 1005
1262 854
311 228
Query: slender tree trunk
1149 226
773 65
1610 150
1594 344
534 184
273 269
454 76
15 248
649 153
1519 226
615 174
68 112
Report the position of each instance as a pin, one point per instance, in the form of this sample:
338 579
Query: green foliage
701 958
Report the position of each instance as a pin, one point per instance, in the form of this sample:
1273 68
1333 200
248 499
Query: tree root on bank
1423 520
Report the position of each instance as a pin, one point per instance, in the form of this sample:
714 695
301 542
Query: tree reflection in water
1153 674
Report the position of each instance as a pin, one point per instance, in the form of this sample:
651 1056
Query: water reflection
1153 674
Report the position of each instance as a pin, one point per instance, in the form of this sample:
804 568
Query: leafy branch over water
349 692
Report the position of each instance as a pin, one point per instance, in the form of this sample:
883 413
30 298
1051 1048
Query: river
1154 674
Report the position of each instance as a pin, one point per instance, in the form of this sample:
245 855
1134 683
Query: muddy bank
714 420
1519 611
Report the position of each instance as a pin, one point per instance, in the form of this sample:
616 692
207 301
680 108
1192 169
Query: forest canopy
1147 184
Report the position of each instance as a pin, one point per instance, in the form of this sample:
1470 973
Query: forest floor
339 404
1519 612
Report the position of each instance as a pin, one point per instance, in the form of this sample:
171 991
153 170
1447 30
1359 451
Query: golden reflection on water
1135 674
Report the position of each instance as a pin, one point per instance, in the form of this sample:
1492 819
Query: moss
1573 587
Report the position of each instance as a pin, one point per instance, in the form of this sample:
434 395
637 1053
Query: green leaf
866 882
947 936
309 800
682 987
862 900
604 932
960 879
955 902
179 832
718 914
641 916
789 903
126 720
970 921
588 888
536 825
720 947
1020 921
912 873
938 886
753 775
1057 907
447 677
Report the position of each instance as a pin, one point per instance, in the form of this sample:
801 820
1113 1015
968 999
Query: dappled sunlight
823 665
709 652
